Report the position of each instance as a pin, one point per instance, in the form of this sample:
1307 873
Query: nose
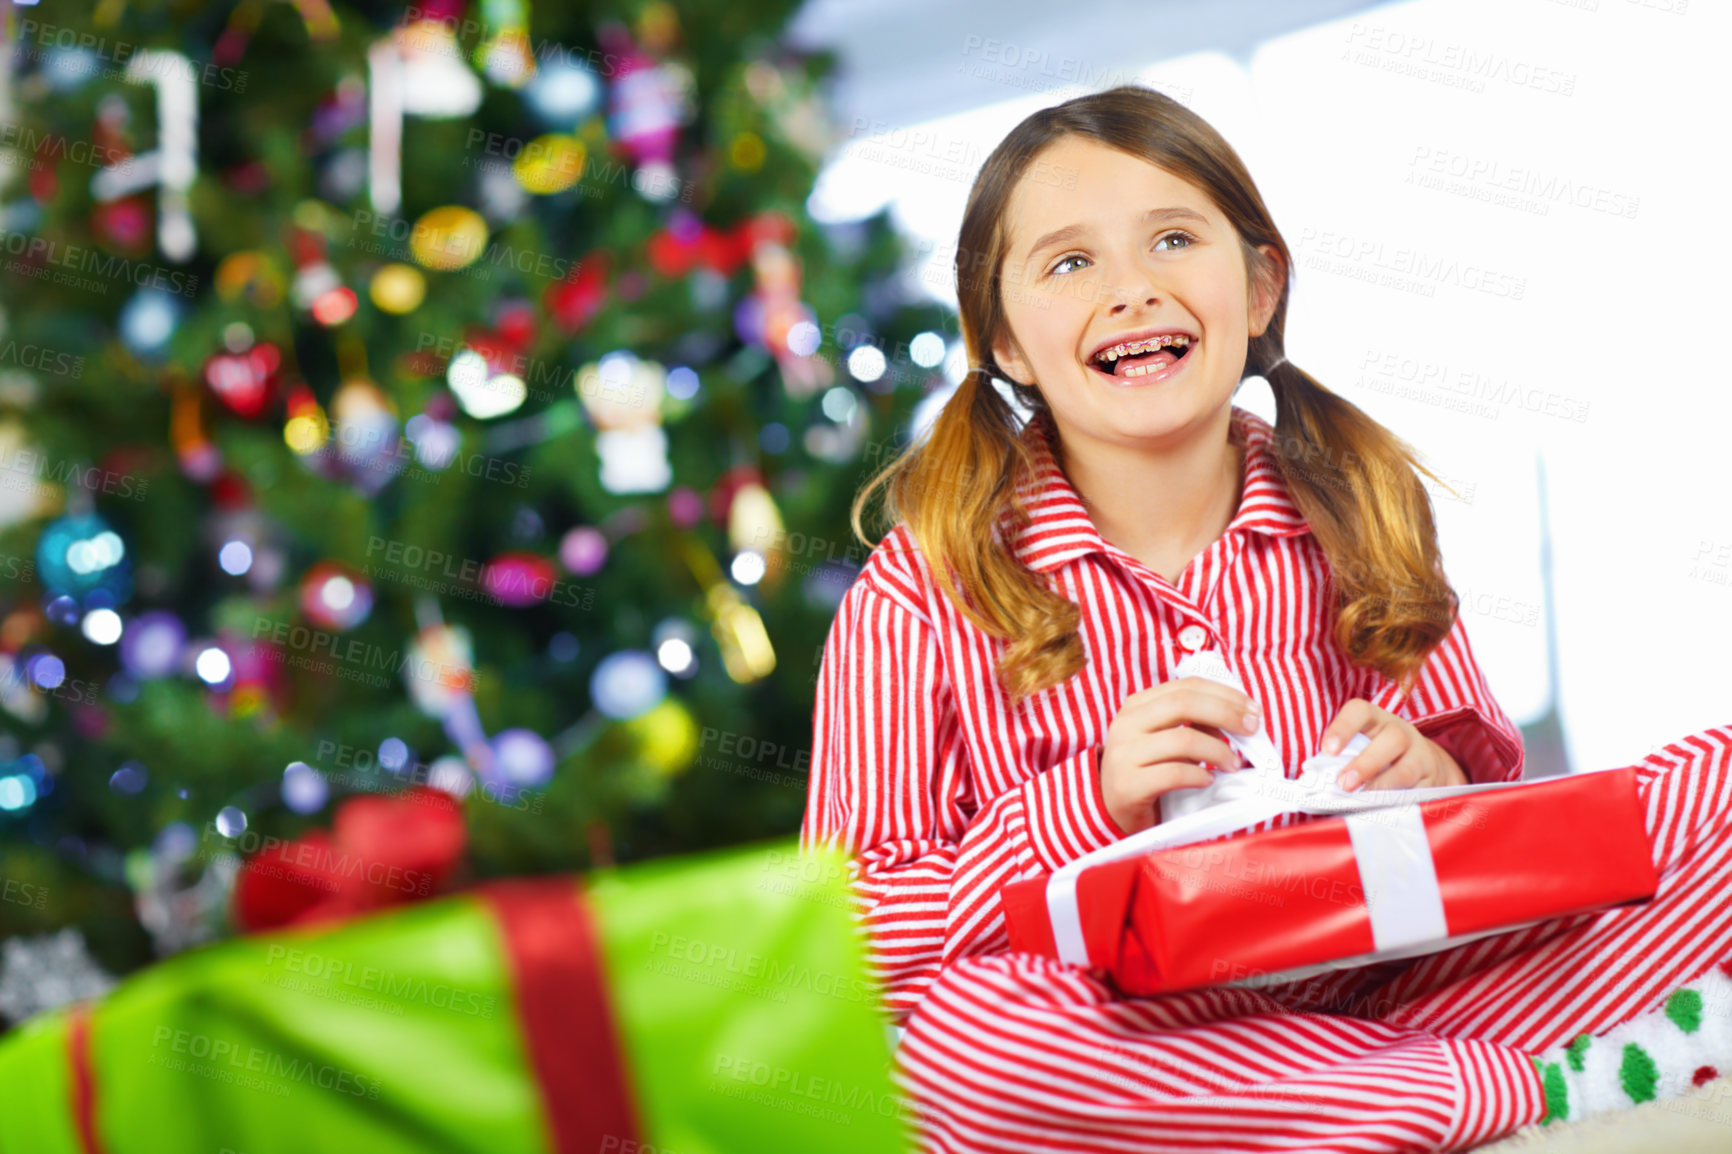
1131 282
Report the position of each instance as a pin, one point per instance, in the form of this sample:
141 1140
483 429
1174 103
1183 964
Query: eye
1177 233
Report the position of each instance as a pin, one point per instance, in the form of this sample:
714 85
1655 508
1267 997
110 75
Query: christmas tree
453 395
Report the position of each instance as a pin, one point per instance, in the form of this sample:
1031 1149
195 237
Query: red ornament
670 255
230 491
124 224
308 246
1703 1074
383 850
676 250
519 579
723 252
574 301
515 324
244 381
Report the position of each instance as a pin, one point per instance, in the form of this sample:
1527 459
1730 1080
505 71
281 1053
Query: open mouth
1143 358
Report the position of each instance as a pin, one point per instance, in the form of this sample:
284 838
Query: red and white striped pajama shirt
941 794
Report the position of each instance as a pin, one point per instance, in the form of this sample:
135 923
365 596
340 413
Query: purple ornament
152 644
749 319
583 550
685 225
523 758
685 507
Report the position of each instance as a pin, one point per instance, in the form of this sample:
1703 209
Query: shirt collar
1060 530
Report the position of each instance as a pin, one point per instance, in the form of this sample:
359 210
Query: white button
1193 637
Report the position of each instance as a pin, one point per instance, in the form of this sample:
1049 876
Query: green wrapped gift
682 1006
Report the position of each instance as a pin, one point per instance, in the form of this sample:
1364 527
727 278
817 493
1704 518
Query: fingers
1183 775
1194 701
1132 791
1149 780
1380 764
1403 774
1135 773
1352 719
1184 744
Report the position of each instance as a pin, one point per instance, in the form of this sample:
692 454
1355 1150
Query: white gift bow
1404 905
1258 750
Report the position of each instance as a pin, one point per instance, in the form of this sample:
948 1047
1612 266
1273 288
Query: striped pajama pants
1013 1052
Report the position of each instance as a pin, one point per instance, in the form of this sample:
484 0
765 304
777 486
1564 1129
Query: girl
995 699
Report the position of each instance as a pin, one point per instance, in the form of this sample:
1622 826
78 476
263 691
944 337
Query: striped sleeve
892 787
1451 704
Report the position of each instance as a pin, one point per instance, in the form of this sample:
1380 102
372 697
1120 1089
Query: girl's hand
1162 738
1399 756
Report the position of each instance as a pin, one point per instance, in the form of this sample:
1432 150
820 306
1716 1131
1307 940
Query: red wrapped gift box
1349 890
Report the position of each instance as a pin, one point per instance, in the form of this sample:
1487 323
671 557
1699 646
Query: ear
1265 291
1008 355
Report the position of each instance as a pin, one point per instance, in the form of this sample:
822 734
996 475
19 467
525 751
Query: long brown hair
1351 478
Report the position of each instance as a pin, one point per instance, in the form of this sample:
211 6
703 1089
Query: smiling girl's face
1125 249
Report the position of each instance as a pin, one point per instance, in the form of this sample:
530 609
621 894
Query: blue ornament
63 610
130 778
17 792
523 758
147 321
627 684
304 788
563 93
82 557
67 69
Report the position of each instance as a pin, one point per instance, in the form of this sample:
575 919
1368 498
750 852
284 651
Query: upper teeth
1143 346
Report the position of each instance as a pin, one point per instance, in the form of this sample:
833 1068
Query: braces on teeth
1107 357
1178 340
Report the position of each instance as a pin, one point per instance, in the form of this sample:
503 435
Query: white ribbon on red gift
1398 878
1389 842
1258 749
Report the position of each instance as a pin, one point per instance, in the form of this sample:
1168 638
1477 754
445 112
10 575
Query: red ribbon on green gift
388 850
562 998
707 1002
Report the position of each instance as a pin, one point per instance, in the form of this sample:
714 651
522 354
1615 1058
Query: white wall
1578 317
